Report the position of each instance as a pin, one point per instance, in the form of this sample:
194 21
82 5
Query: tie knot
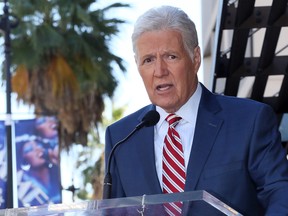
173 119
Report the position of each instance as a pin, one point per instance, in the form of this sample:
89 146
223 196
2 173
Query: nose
39 148
160 68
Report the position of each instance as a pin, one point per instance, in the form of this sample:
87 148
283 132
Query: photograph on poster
3 166
37 158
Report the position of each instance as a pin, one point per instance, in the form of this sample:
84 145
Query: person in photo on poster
47 131
37 168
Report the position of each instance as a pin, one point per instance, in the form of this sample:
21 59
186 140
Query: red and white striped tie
174 174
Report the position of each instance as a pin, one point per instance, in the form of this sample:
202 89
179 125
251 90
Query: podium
194 203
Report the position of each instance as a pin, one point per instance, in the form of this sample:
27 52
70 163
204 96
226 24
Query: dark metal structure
251 58
6 23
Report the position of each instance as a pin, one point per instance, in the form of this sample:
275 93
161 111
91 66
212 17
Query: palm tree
61 61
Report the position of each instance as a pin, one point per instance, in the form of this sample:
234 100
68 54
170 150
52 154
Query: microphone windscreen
151 118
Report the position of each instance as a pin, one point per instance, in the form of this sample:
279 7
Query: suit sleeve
268 163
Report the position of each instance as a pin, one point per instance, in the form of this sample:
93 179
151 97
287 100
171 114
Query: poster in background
37 158
3 166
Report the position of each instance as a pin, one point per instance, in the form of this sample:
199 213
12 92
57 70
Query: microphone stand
107 187
151 118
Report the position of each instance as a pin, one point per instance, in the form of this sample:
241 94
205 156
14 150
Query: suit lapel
146 159
206 130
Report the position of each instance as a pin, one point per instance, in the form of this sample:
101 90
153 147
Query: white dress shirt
188 112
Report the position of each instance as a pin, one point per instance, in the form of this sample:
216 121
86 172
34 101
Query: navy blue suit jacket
236 156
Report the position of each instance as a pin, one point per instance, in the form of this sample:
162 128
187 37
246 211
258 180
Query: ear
197 58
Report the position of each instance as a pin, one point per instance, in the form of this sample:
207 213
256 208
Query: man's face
167 70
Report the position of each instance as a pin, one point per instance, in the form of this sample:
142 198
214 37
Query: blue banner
37 158
3 166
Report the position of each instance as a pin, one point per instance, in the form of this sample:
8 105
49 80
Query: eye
27 149
147 60
172 57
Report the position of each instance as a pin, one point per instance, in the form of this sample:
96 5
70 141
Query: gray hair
167 18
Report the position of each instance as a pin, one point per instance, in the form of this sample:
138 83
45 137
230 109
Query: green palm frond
77 33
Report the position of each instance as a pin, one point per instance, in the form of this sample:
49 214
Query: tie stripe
174 173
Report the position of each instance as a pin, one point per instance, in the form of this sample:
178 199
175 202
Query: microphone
150 119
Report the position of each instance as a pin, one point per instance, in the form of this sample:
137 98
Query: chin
168 109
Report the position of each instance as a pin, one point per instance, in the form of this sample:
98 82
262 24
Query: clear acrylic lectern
194 203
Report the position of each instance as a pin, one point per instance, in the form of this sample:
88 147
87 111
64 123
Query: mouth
164 87
40 154
53 126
